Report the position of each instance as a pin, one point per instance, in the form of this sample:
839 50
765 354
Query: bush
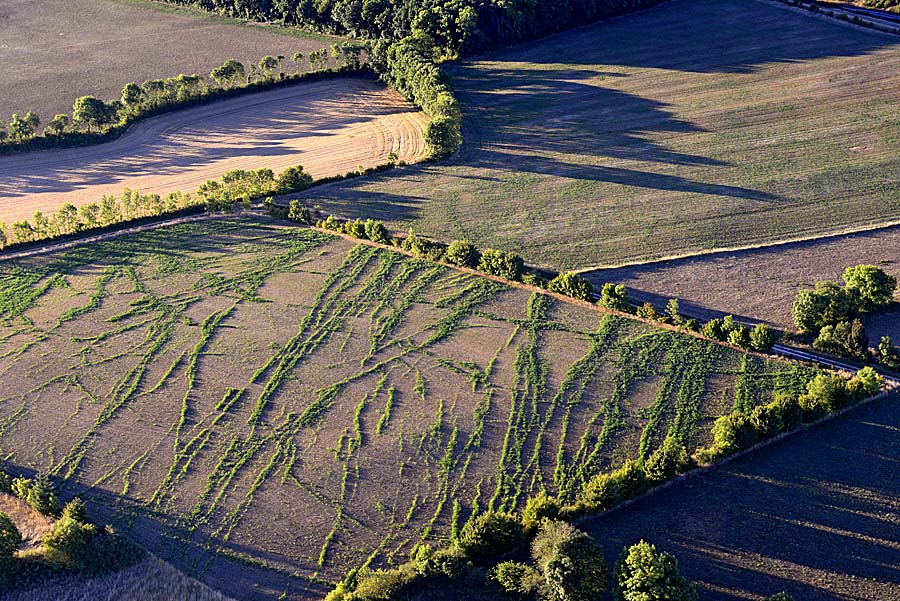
887 354
463 253
740 336
377 232
38 493
537 509
490 536
766 419
762 338
647 311
643 574
571 561
734 432
293 179
666 462
73 539
713 329
614 296
298 213
573 285
827 304
845 338
75 510
517 578
10 538
605 491
870 287
501 263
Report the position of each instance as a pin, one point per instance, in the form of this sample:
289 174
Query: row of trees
74 544
93 118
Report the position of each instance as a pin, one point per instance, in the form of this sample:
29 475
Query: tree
571 561
21 129
72 538
42 496
870 286
614 296
297 212
647 311
230 72
762 338
10 538
75 510
734 432
132 94
846 338
517 578
490 535
713 329
537 509
740 336
667 461
442 134
298 58
377 232
827 304
672 312
888 354
57 125
645 574
268 65
501 263
293 179
89 112
463 253
572 284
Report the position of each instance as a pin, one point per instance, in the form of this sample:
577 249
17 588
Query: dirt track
329 127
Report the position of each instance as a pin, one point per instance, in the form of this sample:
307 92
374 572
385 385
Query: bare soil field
817 515
330 127
760 284
53 51
268 407
695 125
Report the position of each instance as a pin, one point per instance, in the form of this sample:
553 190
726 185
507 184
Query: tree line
93 120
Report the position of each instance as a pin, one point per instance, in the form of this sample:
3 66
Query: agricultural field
268 407
760 284
330 127
676 129
815 515
57 50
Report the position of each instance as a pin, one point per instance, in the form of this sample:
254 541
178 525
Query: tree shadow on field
703 36
815 515
179 142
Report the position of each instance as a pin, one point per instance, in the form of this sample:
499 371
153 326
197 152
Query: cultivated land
815 515
761 284
54 51
330 127
701 123
269 407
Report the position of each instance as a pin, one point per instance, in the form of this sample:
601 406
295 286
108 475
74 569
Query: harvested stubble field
269 407
330 127
95 47
818 516
760 284
698 124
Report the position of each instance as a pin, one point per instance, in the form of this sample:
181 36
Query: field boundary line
829 13
864 229
893 390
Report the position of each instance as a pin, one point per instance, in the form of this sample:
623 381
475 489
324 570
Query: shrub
75 510
672 312
845 338
734 432
489 536
10 538
782 596
443 562
533 280
298 213
39 493
789 411
766 419
614 296
643 574
605 491
5 482
887 354
713 329
762 338
667 461
501 263
827 304
73 539
463 253
647 311
571 284
537 509
377 232
517 578
740 336
293 179
870 379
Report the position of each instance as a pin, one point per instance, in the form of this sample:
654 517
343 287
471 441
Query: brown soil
54 51
329 127
816 516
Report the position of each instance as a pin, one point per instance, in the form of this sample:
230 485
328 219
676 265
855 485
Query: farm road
817 515
329 127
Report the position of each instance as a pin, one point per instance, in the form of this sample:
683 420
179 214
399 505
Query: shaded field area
698 124
54 51
268 407
815 515
760 284
330 127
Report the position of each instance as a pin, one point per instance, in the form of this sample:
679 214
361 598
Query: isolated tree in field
10 538
571 284
462 253
230 72
57 125
645 574
89 112
871 287
298 58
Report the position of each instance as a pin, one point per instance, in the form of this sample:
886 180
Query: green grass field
269 407
699 124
